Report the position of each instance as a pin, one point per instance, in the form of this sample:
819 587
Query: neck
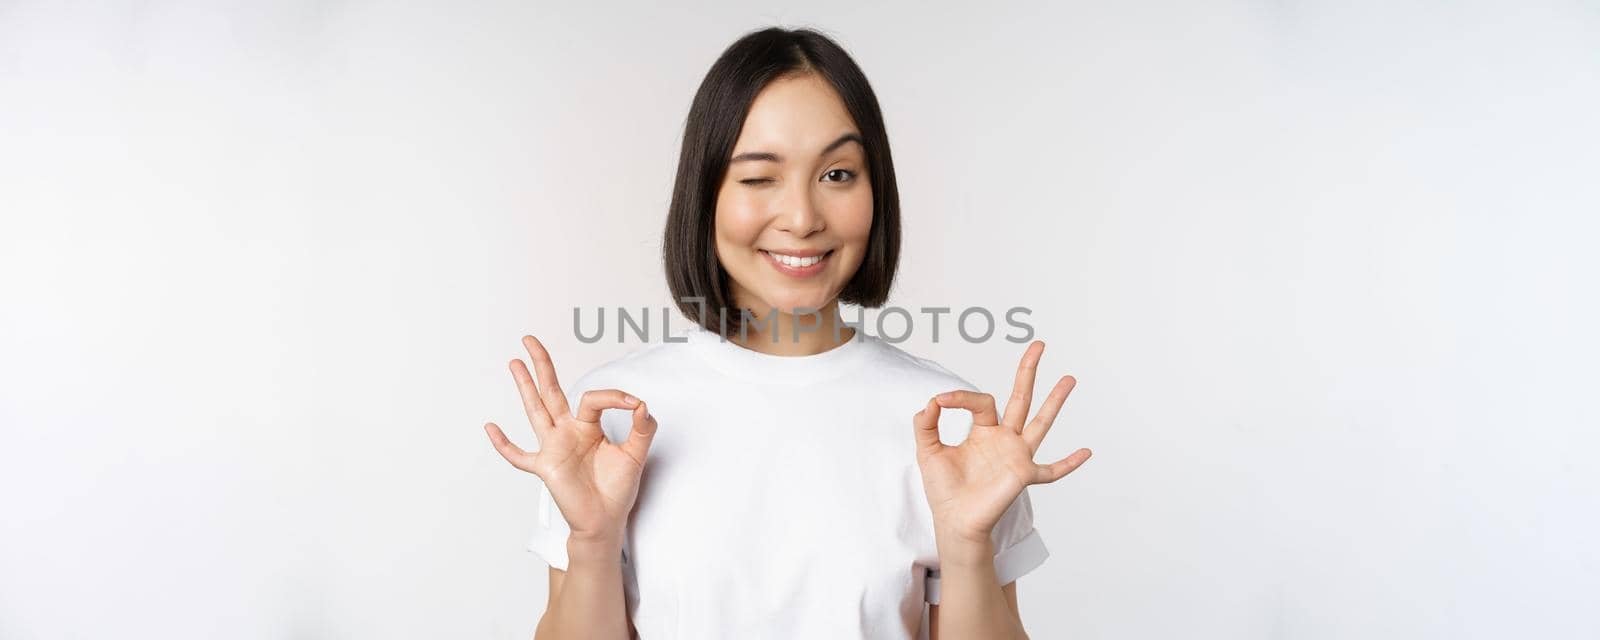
786 334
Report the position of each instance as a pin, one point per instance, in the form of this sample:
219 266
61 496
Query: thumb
644 430
926 423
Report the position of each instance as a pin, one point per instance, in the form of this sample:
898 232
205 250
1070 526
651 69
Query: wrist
963 551
962 536
592 549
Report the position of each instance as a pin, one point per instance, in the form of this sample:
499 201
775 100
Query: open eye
851 174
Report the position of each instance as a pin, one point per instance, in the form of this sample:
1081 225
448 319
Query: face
795 210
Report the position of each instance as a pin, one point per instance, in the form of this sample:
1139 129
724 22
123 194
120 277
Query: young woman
774 472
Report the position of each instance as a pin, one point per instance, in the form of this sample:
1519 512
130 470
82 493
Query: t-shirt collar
745 363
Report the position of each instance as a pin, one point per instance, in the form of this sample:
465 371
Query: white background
1325 271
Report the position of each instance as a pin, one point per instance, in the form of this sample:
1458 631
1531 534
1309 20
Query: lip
799 272
798 253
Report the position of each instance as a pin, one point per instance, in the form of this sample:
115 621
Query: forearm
971 603
590 603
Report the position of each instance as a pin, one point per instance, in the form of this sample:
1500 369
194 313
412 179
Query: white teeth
796 261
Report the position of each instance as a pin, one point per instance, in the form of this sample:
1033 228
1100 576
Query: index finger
980 404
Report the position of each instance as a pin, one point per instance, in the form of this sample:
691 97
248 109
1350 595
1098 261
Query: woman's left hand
971 485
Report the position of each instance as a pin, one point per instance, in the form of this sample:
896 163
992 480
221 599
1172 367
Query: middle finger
537 416
1022 390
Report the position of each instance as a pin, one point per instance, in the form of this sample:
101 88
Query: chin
787 304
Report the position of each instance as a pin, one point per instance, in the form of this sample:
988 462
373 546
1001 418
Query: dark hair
710 131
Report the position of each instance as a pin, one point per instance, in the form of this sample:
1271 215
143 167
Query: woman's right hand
594 482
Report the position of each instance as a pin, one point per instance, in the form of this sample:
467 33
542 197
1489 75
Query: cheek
738 223
855 221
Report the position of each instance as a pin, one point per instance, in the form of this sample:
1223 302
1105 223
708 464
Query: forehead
796 113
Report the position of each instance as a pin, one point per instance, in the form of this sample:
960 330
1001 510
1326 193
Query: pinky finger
1044 474
512 453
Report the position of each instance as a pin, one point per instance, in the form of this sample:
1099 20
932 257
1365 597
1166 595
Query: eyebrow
773 157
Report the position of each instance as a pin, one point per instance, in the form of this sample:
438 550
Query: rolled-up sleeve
1018 547
550 532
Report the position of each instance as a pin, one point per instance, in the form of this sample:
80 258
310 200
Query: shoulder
894 364
645 363
906 381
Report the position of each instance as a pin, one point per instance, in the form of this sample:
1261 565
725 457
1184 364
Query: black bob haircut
695 276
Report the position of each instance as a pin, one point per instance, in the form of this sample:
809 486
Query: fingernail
630 400
943 397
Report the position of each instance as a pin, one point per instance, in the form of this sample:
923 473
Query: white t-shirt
781 497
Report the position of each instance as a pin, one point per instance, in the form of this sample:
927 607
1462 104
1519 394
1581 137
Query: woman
773 475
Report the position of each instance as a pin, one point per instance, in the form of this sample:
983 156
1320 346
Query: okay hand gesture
971 485
594 482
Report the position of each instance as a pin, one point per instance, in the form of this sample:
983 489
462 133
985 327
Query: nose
797 213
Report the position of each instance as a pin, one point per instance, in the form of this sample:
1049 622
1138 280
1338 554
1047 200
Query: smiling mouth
797 265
